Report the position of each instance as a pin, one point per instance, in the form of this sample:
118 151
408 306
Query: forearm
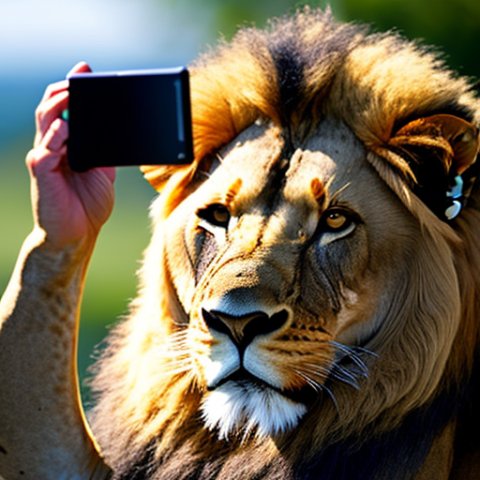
41 419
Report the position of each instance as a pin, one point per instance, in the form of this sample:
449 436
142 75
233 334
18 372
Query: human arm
43 432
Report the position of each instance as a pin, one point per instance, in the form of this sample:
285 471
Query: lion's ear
458 138
437 152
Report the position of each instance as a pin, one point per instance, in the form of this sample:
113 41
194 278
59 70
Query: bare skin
43 433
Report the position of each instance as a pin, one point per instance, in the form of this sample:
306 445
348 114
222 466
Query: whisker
172 372
176 341
317 387
353 349
317 369
340 190
353 356
344 376
175 349
365 350
335 371
332 398
178 362
178 336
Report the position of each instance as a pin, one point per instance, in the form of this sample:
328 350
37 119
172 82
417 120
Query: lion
308 305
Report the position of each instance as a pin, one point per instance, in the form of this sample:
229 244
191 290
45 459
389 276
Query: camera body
138 117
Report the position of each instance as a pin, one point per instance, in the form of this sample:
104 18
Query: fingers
47 112
56 136
52 132
48 155
80 67
41 161
57 87
53 89
54 102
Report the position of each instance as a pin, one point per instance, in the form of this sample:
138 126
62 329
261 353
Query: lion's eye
215 214
337 223
336 220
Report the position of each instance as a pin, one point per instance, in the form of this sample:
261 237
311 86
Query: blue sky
40 40
47 34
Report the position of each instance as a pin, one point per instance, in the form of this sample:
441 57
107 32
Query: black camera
139 117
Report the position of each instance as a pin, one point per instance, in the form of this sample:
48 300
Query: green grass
111 281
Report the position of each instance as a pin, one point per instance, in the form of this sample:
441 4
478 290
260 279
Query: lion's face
279 260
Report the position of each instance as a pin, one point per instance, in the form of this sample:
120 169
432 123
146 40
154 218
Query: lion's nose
243 329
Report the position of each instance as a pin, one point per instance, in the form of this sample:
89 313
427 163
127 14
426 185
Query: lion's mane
296 72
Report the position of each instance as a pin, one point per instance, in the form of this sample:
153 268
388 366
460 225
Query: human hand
69 207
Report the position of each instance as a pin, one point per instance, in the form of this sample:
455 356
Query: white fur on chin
243 408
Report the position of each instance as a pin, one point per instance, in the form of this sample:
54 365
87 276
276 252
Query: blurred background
41 41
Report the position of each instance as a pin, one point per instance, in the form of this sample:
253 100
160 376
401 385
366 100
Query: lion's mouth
250 383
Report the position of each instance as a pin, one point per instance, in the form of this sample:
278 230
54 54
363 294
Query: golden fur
290 123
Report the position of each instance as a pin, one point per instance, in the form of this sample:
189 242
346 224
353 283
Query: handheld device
139 117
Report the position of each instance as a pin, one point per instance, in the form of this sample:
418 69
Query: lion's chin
242 409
